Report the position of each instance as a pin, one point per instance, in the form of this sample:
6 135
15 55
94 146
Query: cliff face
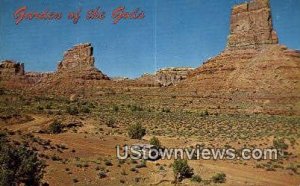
172 76
79 62
166 76
76 58
253 68
10 69
251 26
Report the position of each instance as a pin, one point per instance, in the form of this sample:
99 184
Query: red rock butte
79 61
251 26
253 67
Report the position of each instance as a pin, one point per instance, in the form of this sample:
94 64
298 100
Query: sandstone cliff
10 69
79 62
167 76
251 26
253 68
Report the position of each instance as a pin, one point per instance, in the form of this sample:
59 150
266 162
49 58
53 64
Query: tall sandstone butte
251 26
253 70
79 62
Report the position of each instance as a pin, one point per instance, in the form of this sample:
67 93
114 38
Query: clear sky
173 33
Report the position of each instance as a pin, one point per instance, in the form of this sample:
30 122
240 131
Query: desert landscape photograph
150 92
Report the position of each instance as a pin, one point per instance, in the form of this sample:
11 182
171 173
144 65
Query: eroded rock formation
254 70
11 69
251 26
79 62
166 76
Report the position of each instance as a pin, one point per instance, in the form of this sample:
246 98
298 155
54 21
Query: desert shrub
72 110
85 109
204 113
102 174
116 108
48 106
219 178
136 131
111 123
293 168
167 110
2 92
155 141
280 144
3 136
39 108
196 178
55 127
19 166
134 108
141 165
181 170
108 163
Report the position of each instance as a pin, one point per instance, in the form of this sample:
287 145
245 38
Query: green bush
85 109
111 123
136 131
280 144
134 108
155 141
196 178
204 113
219 178
48 106
19 166
116 108
141 165
72 110
181 170
55 127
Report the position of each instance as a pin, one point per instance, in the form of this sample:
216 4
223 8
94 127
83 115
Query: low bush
72 110
136 131
196 178
55 128
19 166
155 141
280 144
181 170
219 178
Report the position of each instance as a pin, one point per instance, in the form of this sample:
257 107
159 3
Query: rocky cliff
166 76
79 62
251 26
253 70
11 69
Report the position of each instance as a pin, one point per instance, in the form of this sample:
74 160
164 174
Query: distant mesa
166 76
78 62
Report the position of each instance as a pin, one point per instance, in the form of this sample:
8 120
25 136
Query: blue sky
173 33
